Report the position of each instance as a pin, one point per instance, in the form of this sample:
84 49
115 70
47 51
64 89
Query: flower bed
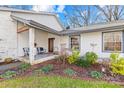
66 70
81 72
84 67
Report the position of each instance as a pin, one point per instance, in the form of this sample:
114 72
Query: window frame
122 42
79 41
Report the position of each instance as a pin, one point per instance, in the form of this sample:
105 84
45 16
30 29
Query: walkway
9 66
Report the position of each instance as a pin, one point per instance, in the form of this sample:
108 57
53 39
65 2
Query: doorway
51 44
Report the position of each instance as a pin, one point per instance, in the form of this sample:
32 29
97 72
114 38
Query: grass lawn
53 82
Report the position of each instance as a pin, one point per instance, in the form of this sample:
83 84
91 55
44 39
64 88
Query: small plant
8 74
91 57
96 74
82 62
117 63
8 60
69 72
24 66
73 58
47 69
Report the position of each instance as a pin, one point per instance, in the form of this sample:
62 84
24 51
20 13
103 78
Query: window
112 41
74 42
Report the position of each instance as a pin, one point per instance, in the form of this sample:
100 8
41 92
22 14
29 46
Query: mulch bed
81 73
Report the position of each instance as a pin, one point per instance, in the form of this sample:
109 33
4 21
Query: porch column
31 44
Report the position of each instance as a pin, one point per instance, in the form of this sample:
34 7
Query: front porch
39 58
36 42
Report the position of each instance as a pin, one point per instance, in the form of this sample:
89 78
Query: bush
87 60
61 58
82 62
73 58
8 60
47 69
91 57
8 74
96 74
24 66
117 63
114 57
69 72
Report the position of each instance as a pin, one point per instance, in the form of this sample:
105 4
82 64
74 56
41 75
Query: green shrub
114 57
91 57
69 72
8 74
24 66
117 63
47 69
87 60
73 58
8 60
82 62
96 74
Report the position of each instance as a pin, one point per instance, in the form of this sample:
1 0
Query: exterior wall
93 38
48 20
56 41
64 42
23 41
8 35
41 38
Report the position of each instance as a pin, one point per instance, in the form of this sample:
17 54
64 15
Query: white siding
93 38
48 20
41 38
8 34
23 41
64 41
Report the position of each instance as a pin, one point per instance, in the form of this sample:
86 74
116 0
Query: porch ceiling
22 29
35 24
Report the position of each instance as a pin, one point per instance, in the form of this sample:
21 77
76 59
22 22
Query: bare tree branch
111 12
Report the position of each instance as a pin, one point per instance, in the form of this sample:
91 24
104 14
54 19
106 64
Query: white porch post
31 44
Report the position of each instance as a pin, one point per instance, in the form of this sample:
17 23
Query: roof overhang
34 24
105 29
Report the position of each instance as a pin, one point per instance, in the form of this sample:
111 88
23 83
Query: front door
51 44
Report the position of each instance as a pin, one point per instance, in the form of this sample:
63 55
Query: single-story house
21 29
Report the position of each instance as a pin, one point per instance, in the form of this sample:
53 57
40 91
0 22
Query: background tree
109 13
78 16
